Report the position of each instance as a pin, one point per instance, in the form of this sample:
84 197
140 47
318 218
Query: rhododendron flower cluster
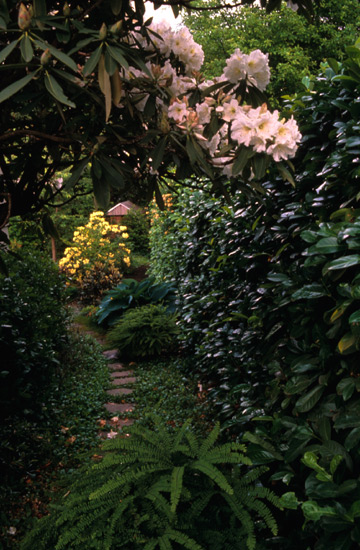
219 119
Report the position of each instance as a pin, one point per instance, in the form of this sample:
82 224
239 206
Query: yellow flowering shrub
97 258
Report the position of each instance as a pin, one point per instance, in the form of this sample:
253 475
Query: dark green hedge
270 293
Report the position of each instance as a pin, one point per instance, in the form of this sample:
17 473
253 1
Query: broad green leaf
289 501
324 427
49 226
313 512
328 245
339 311
309 292
116 88
347 343
342 263
352 439
16 86
96 166
92 62
54 88
311 461
346 388
117 54
26 48
7 50
355 317
309 400
260 164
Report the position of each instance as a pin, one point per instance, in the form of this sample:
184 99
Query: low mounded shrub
145 331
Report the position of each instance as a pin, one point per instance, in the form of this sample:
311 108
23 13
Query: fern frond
263 492
211 471
151 544
183 539
192 440
250 476
210 440
121 508
265 513
164 543
200 504
224 455
127 477
244 517
180 435
176 486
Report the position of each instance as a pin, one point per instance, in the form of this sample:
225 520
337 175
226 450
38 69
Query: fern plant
161 490
145 331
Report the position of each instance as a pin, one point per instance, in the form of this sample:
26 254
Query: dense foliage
161 489
296 47
131 294
270 306
32 330
145 331
96 86
138 226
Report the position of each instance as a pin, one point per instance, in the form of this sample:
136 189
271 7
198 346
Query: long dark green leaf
7 51
54 88
16 86
343 263
26 48
158 153
61 56
76 173
117 54
92 62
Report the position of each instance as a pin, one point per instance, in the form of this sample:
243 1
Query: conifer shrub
162 490
145 331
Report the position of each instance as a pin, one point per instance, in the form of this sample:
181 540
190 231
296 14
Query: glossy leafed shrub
270 316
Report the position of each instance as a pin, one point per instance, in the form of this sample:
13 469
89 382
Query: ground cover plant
269 308
52 390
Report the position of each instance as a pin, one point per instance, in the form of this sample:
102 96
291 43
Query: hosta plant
162 490
130 294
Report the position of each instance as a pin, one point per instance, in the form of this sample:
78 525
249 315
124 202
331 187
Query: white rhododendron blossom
213 113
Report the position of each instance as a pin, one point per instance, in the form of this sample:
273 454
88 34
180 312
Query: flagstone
119 407
120 391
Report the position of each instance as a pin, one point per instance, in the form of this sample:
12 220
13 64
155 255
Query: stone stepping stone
119 374
119 391
123 381
111 353
115 366
119 407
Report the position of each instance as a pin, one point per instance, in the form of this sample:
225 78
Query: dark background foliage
269 296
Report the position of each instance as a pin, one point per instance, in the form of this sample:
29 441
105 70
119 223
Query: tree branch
35 133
